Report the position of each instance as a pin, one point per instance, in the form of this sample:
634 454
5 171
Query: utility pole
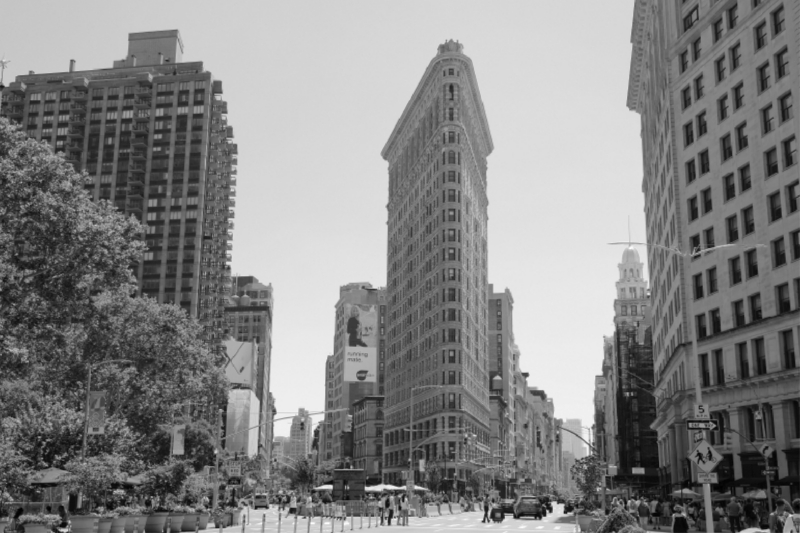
215 499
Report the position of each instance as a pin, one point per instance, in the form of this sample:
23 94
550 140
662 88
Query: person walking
680 522
655 513
384 507
644 514
734 515
292 505
439 504
403 504
633 507
392 508
487 506
792 520
776 518
449 505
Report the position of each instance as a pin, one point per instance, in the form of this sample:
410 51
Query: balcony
144 79
229 246
77 108
80 84
17 87
143 92
135 192
140 143
79 95
74 147
138 168
74 158
232 191
232 181
133 205
77 120
141 129
230 236
228 257
15 112
231 202
142 116
142 103
231 225
139 155
231 213
75 133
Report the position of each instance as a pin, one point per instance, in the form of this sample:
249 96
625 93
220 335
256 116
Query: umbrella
392 487
721 496
416 487
685 493
324 487
755 495
134 481
49 477
374 488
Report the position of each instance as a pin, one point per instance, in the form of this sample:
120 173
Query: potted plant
83 521
106 519
616 521
221 517
177 515
202 517
134 516
92 477
163 482
189 518
39 523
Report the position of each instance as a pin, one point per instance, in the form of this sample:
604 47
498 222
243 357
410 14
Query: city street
554 522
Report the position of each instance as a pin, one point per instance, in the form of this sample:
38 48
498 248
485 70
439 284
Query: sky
314 88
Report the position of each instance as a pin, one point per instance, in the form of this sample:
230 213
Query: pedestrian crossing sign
705 456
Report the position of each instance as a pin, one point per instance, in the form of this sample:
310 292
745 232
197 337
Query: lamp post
686 257
88 398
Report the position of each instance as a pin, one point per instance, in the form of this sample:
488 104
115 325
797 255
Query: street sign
410 484
234 481
766 450
702 424
637 470
701 411
698 436
235 470
705 457
711 478
771 469
768 472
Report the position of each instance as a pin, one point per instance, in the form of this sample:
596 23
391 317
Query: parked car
507 504
545 501
569 506
528 506
260 500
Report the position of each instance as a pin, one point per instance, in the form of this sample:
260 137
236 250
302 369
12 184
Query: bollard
169 524
197 525
361 517
295 521
344 516
321 520
264 521
351 518
308 519
279 520
243 521
136 525
369 517
220 525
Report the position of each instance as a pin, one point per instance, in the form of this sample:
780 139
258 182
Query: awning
749 482
789 480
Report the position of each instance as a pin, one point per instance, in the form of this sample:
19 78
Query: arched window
451 157
451 137
452 92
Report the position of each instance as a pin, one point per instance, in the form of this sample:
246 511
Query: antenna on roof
629 230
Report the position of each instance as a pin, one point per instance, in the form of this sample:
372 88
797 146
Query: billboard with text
361 344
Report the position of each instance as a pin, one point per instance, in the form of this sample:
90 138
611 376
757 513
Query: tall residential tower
437 263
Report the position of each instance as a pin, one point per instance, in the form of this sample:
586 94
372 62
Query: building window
782 297
719 67
705 164
691 19
763 77
787 349
702 125
694 245
792 196
706 376
736 56
694 212
755 307
686 97
698 87
697 286
735 270
771 162
732 228
767 120
760 356
726 147
741 136
794 241
711 278
774 204
752 263
744 178
789 151
728 187
722 108
781 63
707 203
733 16
688 134
700 323
696 49
738 313
708 235
684 61
691 171
716 322
778 21
761 36
779 255
785 104
738 96
748 220
743 360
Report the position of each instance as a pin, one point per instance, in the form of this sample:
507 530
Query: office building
360 322
152 133
571 443
714 83
504 371
437 262
368 437
301 435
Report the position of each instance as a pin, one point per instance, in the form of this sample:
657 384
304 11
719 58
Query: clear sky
314 90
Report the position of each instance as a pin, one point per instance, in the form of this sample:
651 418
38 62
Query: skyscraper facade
437 262
301 434
152 134
571 443
714 83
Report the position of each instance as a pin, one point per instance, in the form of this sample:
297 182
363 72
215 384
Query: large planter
84 524
190 522
224 520
104 526
202 520
237 517
584 521
156 522
175 521
139 520
37 528
118 524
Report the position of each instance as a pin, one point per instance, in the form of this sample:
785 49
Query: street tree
587 473
94 476
433 475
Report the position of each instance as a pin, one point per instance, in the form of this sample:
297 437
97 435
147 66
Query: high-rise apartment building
152 134
437 262
360 322
504 365
714 83
301 434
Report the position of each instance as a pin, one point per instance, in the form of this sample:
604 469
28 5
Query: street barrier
264 521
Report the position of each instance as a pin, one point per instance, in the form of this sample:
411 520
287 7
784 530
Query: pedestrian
734 515
326 504
644 514
749 512
15 525
792 521
392 508
439 504
403 507
292 505
655 513
776 519
486 508
680 522
633 507
384 507
449 505
309 506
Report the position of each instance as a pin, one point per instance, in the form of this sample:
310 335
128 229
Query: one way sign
696 423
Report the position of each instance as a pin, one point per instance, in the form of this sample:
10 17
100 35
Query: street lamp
687 257
88 397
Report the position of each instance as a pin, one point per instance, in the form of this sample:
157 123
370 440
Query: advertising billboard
97 413
361 344
241 367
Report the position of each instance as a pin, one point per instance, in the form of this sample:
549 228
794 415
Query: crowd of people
681 515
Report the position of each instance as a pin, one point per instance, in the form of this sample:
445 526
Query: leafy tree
301 474
14 473
433 475
476 483
94 476
587 473
166 480
195 488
